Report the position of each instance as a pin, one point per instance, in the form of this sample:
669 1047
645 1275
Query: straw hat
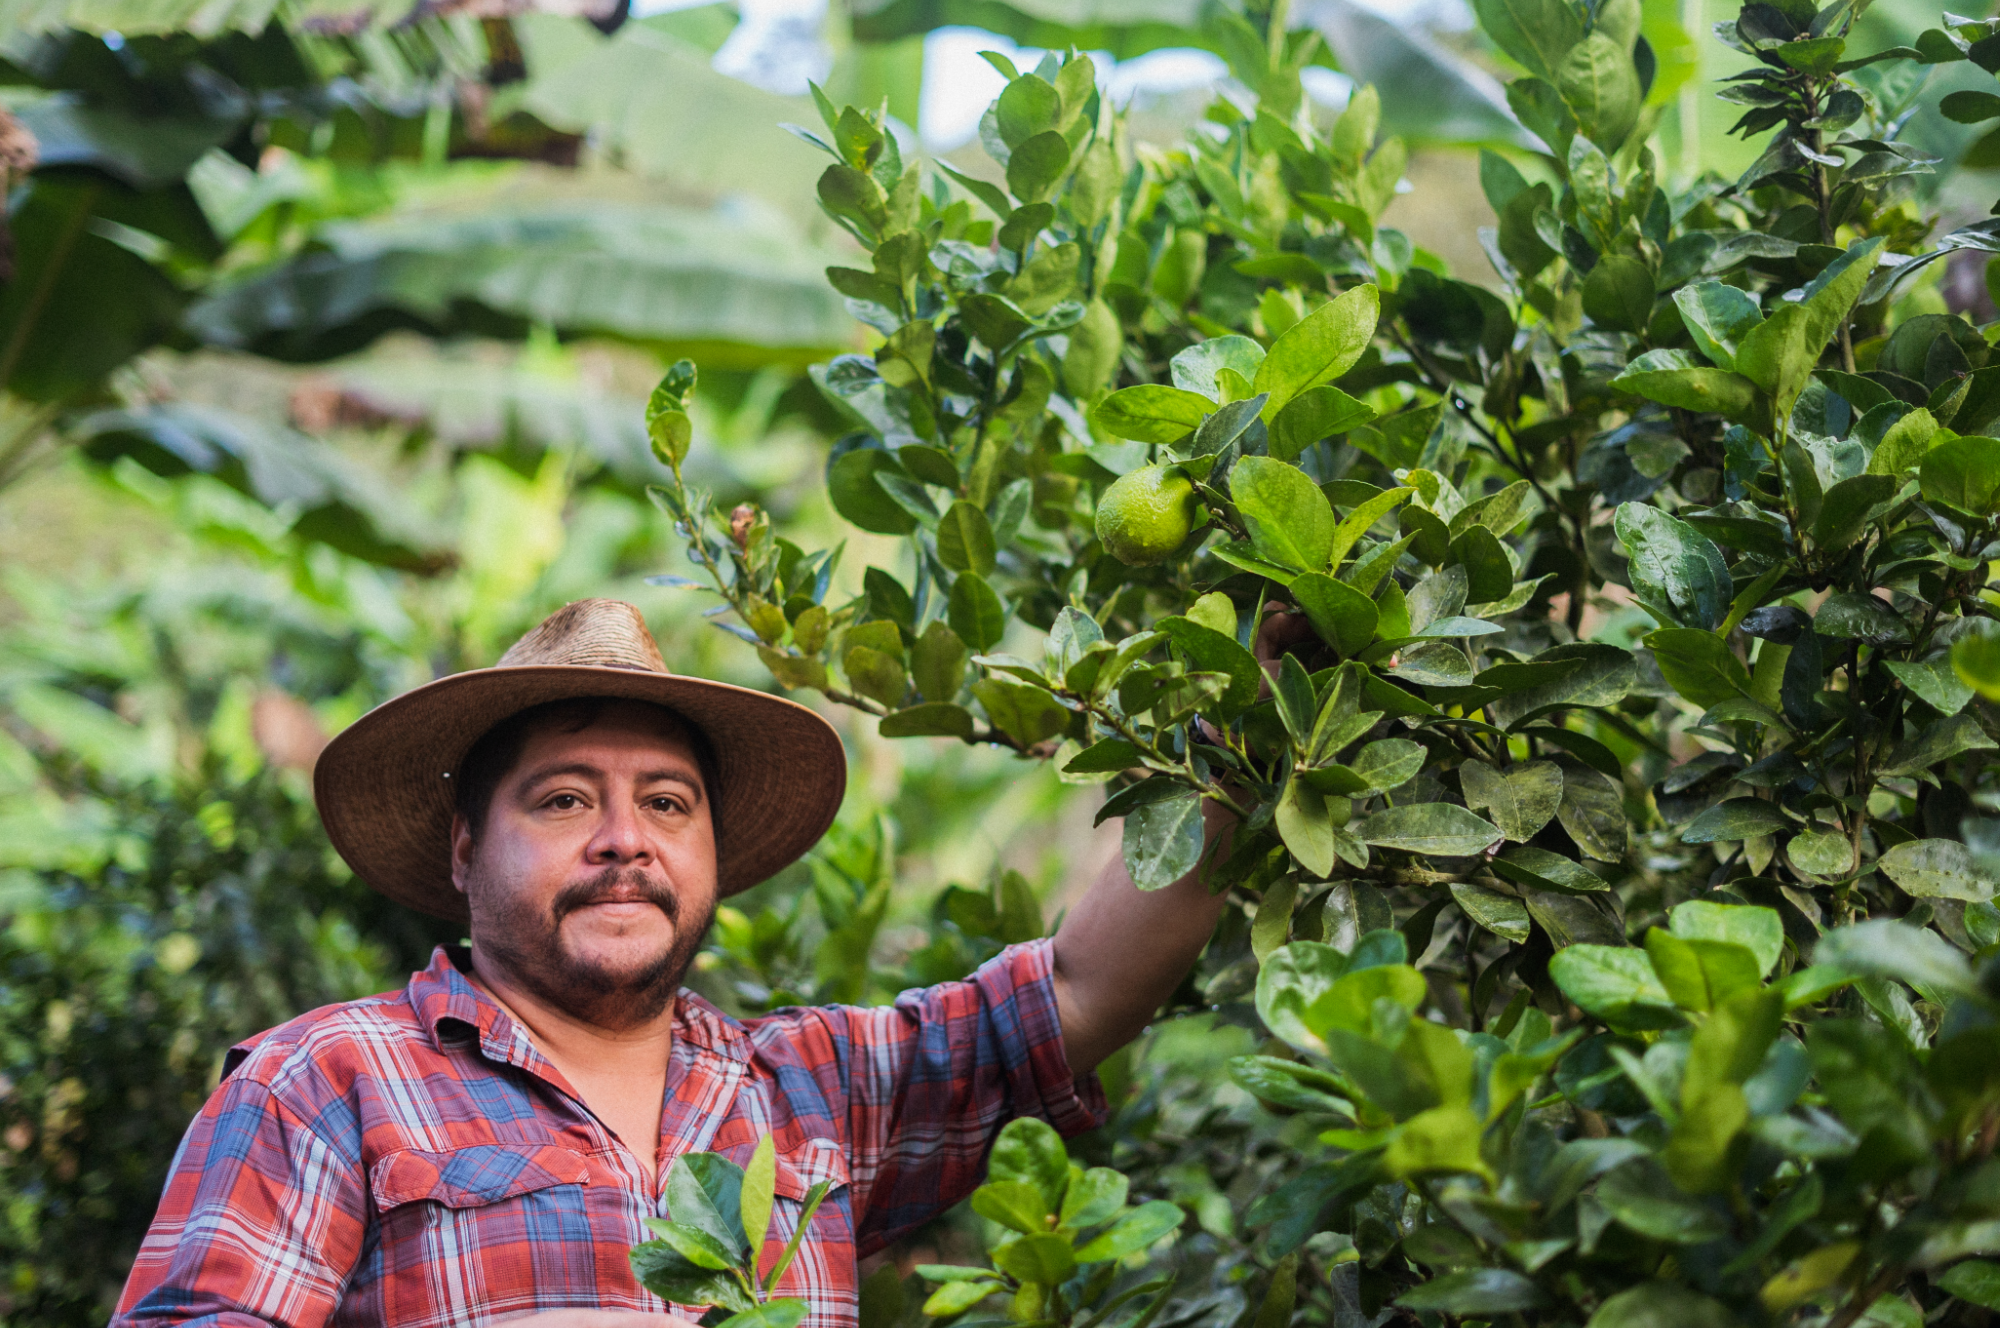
384 785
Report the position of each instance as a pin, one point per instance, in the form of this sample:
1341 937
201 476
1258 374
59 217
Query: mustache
620 884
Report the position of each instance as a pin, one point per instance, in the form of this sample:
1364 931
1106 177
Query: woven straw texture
383 785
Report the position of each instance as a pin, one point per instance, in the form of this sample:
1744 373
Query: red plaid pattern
411 1159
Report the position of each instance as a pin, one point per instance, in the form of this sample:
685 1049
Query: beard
524 937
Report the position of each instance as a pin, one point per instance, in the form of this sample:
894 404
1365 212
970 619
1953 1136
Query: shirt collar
442 994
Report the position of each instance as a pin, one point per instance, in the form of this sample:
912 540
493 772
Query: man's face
593 881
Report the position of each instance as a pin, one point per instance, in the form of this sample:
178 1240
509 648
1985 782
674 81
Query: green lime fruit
1145 515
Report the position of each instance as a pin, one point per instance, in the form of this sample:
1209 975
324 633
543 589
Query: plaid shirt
411 1159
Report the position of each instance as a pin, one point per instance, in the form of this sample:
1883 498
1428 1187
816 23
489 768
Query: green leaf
1211 651
933 719
956 1297
1093 1196
1599 84
937 662
1365 514
1389 763
1539 869
876 675
1700 974
1618 293
1640 1196
1846 509
1022 711
1163 841
704 1193
1344 617
1318 348
965 540
1616 983
1847 616
1036 166
1521 802
1443 829
1963 473
1932 746
1291 981
852 488
1674 378
1290 520
1933 680
1593 811
1661 1305
1279 1301
1938 869
1883 947
1502 914
1306 827
1675 566
1717 316
785 1313
1138 1230
1317 413
1736 819
1194 369
669 429
1699 665
1027 106
1151 413
1975 1280
1976 661
1758 930
1045 1258
698 1247
1030 1152
1489 573
1350 1002
760 1181
1603 675
1780 353
1475 1291
975 612
1536 33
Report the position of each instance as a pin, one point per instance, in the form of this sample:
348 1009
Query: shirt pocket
475 1176
472 1233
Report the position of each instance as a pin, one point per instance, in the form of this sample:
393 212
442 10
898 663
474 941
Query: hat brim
385 796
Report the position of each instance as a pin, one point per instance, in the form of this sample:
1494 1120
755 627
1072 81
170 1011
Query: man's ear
461 851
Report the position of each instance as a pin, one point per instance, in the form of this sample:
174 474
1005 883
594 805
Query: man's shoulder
338 1039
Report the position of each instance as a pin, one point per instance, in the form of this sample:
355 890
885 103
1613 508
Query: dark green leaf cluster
1068 1231
1636 646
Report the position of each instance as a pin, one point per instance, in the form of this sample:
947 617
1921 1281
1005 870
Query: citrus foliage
1619 970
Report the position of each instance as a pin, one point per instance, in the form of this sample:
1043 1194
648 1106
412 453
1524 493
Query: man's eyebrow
585 770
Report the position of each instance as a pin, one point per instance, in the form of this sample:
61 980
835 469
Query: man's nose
620 835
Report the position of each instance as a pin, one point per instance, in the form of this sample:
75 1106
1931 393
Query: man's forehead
622 726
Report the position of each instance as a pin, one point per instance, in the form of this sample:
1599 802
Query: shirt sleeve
933 1078
261 1222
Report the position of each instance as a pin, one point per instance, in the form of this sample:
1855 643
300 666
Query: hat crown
595 633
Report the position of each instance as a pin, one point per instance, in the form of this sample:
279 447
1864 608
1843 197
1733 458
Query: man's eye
563 802
664 804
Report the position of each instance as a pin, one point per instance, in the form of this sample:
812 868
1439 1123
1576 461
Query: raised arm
1122 950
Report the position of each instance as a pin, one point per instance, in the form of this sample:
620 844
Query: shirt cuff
1023 977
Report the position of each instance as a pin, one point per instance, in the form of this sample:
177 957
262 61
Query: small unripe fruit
1145 515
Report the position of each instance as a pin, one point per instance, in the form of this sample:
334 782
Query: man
488 1142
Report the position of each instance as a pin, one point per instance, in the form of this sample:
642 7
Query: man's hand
1122 950
596 1319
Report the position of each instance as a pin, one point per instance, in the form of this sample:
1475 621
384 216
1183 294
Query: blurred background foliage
325 331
